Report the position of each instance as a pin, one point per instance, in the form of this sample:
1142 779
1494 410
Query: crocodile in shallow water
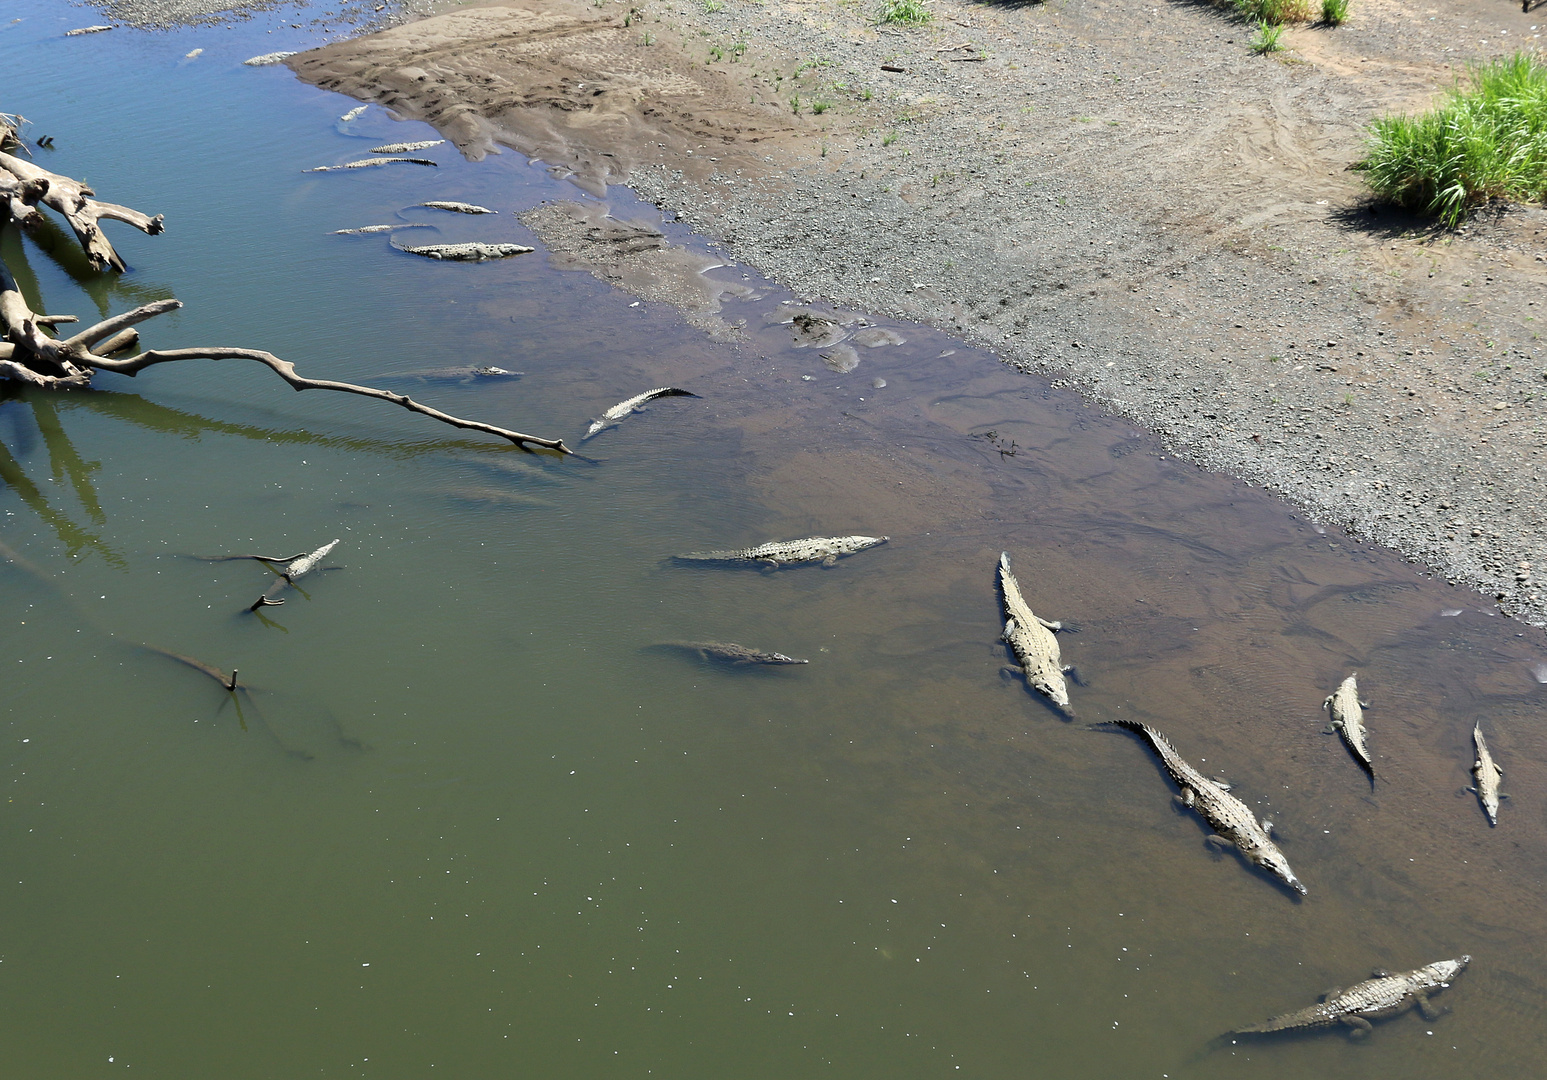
1032 641
614 416
1379 996
1488 776
1348 720
1232 819
727 652
823 549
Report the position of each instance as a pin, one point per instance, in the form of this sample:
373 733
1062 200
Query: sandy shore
1125 199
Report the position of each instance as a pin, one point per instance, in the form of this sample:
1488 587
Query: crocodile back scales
1377 997
807 549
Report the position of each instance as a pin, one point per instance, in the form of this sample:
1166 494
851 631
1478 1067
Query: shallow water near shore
468 821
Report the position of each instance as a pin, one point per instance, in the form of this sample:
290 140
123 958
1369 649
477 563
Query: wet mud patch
636 257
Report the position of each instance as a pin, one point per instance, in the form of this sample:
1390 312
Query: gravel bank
1126 200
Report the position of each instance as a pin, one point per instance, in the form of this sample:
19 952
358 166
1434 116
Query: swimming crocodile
727 652
1488 776
1032 641
469 252
367 230
1232 819
1348 721
614 416
464 374
1377 997
372 163
294 570
823 549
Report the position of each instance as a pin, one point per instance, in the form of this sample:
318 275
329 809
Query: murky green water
468 822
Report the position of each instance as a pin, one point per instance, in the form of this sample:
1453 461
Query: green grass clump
1273 12
905 12
1334 12
1265 38
1488 141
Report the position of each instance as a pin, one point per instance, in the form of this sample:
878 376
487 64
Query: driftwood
74 201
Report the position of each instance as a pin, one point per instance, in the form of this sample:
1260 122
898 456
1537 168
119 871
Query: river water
470 819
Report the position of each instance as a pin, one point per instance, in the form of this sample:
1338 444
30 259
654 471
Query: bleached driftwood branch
74 201
52 363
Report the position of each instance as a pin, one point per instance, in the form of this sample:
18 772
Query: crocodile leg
1358 1026
1429 1010
1074 673
1011 672
1330 994
1217 843
1379 973
1185 799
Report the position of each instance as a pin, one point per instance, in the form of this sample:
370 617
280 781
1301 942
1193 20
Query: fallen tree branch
74 201
133 365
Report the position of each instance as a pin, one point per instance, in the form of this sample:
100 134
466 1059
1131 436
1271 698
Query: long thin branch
133 365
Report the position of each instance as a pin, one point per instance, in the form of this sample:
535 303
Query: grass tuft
1273 12
1265 39
905 12
1334 12
1487 141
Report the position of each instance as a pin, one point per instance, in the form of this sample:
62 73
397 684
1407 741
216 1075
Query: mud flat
1127 200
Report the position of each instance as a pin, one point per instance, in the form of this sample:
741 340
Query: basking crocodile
1488 776
614 416
373 163
473 251
823 549
1232 819
1348 720
1032 641
455 207
727 652
406 147
1380 996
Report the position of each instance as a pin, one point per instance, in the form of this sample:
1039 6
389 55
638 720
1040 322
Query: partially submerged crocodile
1231 818
406 147
614 416
295 568
1488 776
372 163
464 374
455 207
1032 641
1348 720
823 549
473 251
1380 996
727 652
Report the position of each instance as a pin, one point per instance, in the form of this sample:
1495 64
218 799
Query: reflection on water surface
467 814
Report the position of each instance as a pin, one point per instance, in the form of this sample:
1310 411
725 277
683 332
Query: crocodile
367 230
353 113
1348 721
469 252
295 569
614 416
406 147
727 652
1488 776
823 549
266 59
1379 996
464 374
455 207
371 163
1232 819
1032 641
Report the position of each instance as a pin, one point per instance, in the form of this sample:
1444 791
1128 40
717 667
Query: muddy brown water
467 821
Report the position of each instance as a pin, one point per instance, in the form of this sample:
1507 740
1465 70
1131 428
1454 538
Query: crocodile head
1271 859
